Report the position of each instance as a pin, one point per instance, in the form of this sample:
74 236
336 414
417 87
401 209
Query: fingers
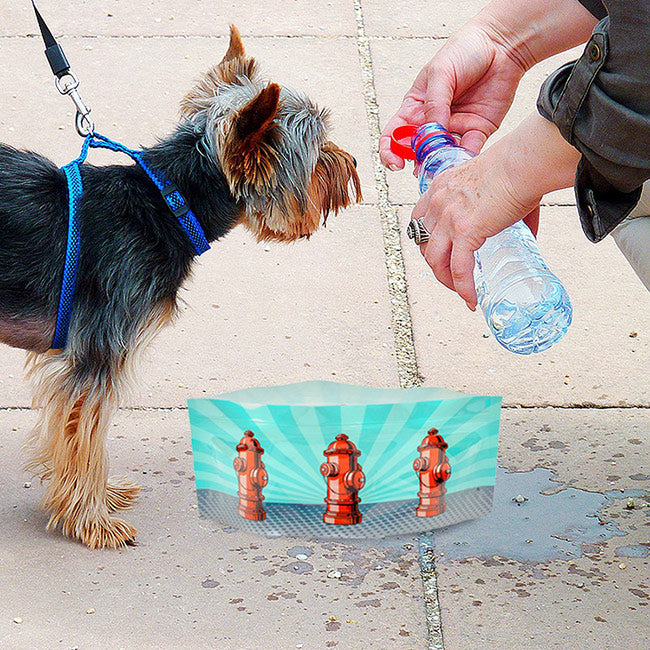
451 259
410 112
421 209
437 253
462 274
437 250
452 264
387 157
428 100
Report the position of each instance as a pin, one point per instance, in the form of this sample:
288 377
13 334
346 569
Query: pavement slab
180 19
403 18
592 596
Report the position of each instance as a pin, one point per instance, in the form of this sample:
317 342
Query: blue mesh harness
170 193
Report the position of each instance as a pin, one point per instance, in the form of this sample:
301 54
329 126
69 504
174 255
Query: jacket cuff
595 7
600 205
614 164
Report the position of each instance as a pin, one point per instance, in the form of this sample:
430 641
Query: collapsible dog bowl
327 460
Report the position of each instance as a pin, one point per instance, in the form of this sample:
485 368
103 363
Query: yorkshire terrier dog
245 152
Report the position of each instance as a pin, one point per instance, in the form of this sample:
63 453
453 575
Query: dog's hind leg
68 451
77 392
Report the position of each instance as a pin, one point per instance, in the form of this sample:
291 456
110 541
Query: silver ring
417 232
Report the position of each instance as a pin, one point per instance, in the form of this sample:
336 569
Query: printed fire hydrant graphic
344 480
433 469
252 477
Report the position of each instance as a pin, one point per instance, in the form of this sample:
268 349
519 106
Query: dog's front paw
120 494
107 532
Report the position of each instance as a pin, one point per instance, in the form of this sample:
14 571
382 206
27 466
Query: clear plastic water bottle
525 305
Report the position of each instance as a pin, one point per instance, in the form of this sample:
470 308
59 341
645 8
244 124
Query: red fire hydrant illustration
344 480
433 469
252 477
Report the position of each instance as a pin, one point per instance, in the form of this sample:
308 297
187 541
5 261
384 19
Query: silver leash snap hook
85 126
67 84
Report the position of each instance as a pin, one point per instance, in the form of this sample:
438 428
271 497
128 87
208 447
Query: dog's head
271 143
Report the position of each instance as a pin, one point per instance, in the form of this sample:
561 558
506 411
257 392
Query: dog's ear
247 157
235 48
234 67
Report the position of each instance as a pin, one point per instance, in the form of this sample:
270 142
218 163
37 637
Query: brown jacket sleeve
601 104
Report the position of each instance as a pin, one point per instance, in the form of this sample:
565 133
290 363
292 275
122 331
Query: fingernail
393 167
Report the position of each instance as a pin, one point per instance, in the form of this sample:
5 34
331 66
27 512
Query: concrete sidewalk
579 414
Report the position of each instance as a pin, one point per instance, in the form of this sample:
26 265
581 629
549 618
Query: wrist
533 160
508 37
529 31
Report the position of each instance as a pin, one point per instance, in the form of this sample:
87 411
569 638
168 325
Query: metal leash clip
66 80
67 85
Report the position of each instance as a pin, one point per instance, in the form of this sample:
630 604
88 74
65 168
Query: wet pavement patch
300 552
527 525
633 550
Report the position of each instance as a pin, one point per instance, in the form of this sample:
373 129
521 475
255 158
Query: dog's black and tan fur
246 152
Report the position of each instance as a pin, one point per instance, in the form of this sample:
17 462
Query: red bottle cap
397 145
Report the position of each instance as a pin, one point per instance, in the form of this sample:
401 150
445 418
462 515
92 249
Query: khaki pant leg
632 236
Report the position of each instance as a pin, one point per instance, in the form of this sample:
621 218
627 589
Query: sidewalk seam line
409 376
586 406
404 343
429 577
409 204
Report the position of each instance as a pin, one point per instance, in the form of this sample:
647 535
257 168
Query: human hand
462 208
477 199
470 83
468 87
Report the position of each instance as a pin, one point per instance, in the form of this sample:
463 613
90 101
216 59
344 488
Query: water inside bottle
526 308
535 315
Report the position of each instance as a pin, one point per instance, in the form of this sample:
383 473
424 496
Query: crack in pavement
409 375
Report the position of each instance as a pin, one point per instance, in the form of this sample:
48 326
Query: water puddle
633 550
541 527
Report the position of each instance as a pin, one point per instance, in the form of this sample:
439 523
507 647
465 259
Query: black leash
53 51
66 81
